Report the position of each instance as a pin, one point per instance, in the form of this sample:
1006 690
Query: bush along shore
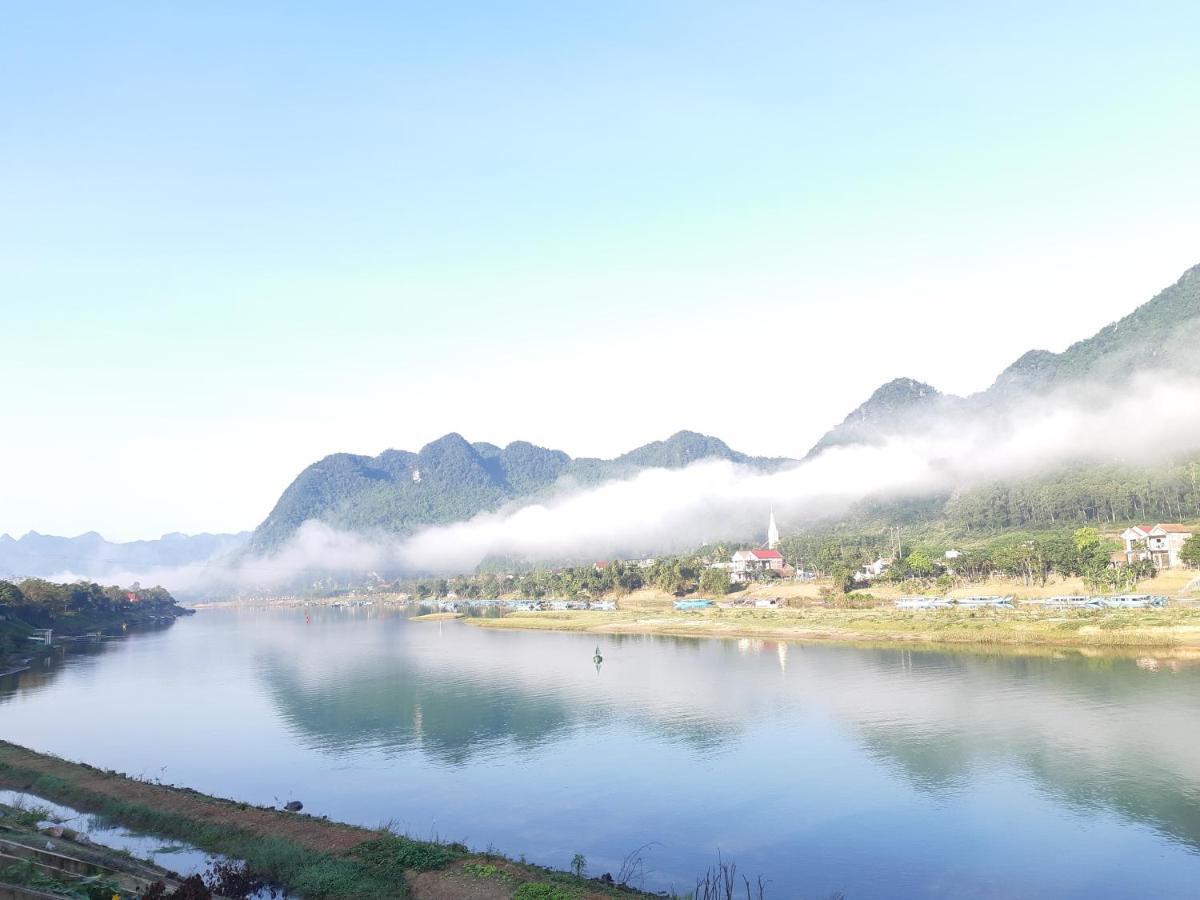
31 608
305 855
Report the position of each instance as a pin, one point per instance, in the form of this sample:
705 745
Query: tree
1190 554
920 565
1093 562
714 581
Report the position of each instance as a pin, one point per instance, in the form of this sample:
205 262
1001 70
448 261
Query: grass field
808 618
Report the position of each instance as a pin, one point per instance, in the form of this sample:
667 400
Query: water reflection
890 771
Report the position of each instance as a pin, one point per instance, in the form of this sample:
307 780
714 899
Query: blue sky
233 240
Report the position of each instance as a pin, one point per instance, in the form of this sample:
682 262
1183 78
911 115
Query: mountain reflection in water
872 771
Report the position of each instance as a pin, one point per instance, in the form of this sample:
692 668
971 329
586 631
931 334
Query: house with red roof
1160 544
746 564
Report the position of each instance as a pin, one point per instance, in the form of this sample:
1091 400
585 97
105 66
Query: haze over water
874 772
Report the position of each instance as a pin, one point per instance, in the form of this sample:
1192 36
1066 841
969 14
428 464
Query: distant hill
896 406
91 556
451 479
1162 334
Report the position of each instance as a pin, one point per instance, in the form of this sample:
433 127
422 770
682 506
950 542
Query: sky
235 238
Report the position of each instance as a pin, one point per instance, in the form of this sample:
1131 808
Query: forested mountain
896 406
90 555
451 479
1161 335
1083 493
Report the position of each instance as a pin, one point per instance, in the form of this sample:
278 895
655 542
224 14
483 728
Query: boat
693 604
983 601
1132 601
922 603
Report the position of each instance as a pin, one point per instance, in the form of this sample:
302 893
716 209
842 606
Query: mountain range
451 479
1161 335
90 555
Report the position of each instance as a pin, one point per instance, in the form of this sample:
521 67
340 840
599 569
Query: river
874 772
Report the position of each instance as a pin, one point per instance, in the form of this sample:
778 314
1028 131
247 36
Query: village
908 579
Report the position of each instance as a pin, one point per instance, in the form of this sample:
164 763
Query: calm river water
873 772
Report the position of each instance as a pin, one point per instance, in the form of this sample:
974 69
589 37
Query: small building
746 564
1159 544
872 570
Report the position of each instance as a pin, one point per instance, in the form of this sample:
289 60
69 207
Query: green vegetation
1164 331
457 480
1029 557
395 853
715 582
1190 554
677 575
1100 494
28 875
310 857
536 890
74 609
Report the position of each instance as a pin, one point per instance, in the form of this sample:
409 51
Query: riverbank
311 857
1173 627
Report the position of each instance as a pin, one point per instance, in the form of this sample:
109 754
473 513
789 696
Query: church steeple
772 533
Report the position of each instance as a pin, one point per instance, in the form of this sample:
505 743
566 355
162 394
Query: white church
746 564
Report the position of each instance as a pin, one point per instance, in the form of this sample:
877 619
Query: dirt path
476 877
317 834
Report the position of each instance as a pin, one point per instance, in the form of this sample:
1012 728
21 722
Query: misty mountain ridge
90 555
451 479
1162 334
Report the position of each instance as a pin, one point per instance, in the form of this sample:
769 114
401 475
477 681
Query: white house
872 570
748 563
1158 543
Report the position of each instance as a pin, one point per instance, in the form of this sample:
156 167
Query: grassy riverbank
312 857
809 619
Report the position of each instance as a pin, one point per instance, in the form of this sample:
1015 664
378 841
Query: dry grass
1176 626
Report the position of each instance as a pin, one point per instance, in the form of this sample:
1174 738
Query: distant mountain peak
459 479
891 407
1162 334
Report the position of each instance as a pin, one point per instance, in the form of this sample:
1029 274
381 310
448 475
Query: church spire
772 533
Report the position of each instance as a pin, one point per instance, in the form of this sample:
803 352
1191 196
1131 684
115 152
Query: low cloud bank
657 511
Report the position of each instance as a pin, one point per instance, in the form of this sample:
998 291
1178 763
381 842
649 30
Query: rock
294 806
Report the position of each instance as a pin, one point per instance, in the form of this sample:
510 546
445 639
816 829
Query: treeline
1026 556
76 608
911 554
1082 494
675 575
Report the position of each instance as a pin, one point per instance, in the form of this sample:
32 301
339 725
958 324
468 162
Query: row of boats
1122 601
526 605
745 603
